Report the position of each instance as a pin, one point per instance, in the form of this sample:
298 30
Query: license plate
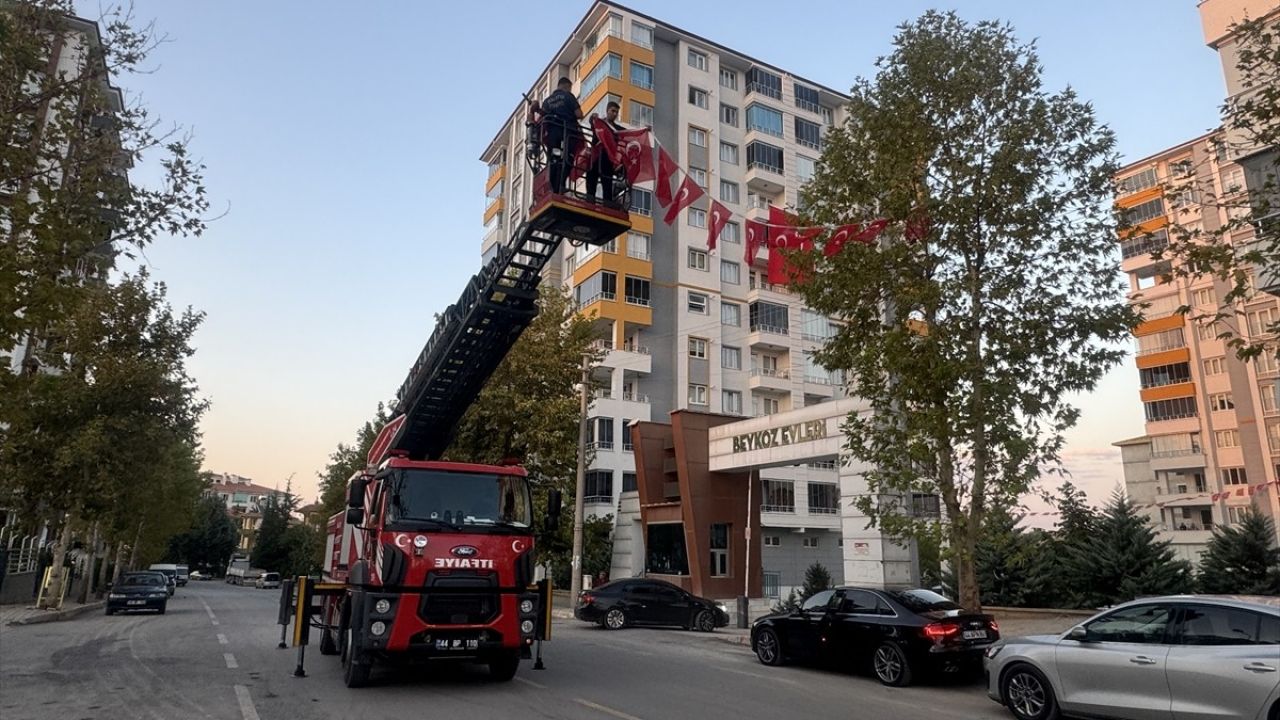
975 634
137 602
457 644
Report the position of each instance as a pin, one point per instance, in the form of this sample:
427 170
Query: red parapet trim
402 463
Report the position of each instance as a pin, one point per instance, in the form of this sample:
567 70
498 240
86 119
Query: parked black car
641 601
139 591
896 633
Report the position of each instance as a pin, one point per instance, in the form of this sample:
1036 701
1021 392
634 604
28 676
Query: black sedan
641 601
139 591
898 634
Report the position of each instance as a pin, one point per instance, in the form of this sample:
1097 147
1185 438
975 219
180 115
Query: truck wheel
504 667
355 664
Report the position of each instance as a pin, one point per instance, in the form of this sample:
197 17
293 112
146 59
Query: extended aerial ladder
474 334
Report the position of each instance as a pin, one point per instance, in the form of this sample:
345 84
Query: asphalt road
213 655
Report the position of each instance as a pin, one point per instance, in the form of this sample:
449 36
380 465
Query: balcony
776 380
629 356
765 177
768 337
1188 459
762 89
671 490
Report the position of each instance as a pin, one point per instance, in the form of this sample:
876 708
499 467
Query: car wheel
111 611
768 647
615 619
704 621
355 666
891 666
162 607
504 667
1028 694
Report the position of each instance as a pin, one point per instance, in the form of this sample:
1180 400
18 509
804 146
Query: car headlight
378 628
722 606
157 595
116 596
993 651
526 627
382 607
526 606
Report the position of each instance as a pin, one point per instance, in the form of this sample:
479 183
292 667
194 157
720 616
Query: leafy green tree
597 551
1077 524
816 579
346 460
968 337
207 546
1124 560
1242 560
271 549
302 545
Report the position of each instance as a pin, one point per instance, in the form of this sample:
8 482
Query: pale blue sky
342 139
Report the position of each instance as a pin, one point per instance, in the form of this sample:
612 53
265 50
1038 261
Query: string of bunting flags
635 151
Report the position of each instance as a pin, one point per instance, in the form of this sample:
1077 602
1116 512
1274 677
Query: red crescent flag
582 159
757 237
688 193
666 170
637 155
719 215
606 140
839 238
872 231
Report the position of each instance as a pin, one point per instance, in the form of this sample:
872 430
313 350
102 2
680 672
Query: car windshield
923 600
459 499
141 580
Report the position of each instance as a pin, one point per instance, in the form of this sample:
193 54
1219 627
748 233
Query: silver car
1183 657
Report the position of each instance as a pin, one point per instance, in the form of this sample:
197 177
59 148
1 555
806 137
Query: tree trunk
970 596
101 584
90 572
54 589
119 568
133 551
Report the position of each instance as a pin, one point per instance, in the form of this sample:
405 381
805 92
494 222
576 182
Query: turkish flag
872 231
636 152
666 170
688 193
839 238
582 159
606 140
719 215
757 237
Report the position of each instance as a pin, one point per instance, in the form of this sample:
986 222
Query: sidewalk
30 615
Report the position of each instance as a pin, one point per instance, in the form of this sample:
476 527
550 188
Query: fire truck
436 559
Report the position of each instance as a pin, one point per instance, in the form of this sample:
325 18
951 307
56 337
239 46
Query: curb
60 614
1048 612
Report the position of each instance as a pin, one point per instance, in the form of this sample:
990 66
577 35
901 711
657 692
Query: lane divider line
222 639
540 686
246 703
231 661
605 710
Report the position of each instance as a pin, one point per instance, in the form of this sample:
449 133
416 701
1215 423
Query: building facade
684 328
244 502
1212 422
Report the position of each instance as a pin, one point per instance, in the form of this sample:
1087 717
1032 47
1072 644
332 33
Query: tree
1077 524
208 545
346 460
816 579
967 337
1242 560
270 547
1123 560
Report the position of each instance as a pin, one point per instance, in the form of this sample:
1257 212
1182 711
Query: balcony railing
603 393
605 296
762 165
823 510
633 347
755 87
1161 348
1179 452
778 508
766 328
638 253
816 380
635 397
757 202
780 373
642 302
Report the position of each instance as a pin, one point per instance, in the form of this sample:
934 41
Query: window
729 192
767 406
731 402
629 483
764 82
1234 476
700 177
806 98
1227 438
719 550
599 486
828 116
772 541
824 498
728 79
764 119
770 317
729 115
1136 182
1143 212
610 66
698 96
697 137
1144 244
805 168
600 286
698 347
777 496
1138 624
1267 363
697 394
731 232
1215 366
641 75
603 105
765 156
1183 407
638 245
815 326
1236 514
1161 341
639 114
600 432
698 258
1221 401
697 303
810 542
728 153
730 272
1273 437
1215 625
641 35
808 134
1267 394
641 201
730 357
627 445
637 291
1207 332
1261 322
698 219
730 314
697 59
665 549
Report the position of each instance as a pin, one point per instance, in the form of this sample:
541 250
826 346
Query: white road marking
222 639
540 686
215 623
246 703
231 660
605 710
761 677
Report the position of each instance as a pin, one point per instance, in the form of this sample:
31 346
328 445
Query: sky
342 145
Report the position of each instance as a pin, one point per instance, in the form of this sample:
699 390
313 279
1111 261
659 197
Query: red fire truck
436 559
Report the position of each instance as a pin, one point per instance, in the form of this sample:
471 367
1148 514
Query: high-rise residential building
685 328
1212 422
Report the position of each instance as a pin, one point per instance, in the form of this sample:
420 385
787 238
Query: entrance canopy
795 437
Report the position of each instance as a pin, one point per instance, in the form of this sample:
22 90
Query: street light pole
575 580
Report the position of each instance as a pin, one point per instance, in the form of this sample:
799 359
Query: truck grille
459 599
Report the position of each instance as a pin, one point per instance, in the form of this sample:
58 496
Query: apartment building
1212 442
684 328
244 501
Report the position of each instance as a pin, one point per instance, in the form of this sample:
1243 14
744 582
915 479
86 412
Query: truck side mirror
554 501
355 516
355 496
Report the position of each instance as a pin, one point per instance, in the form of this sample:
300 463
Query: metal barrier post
282 618
302 623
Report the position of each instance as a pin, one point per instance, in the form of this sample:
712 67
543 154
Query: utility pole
575 580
